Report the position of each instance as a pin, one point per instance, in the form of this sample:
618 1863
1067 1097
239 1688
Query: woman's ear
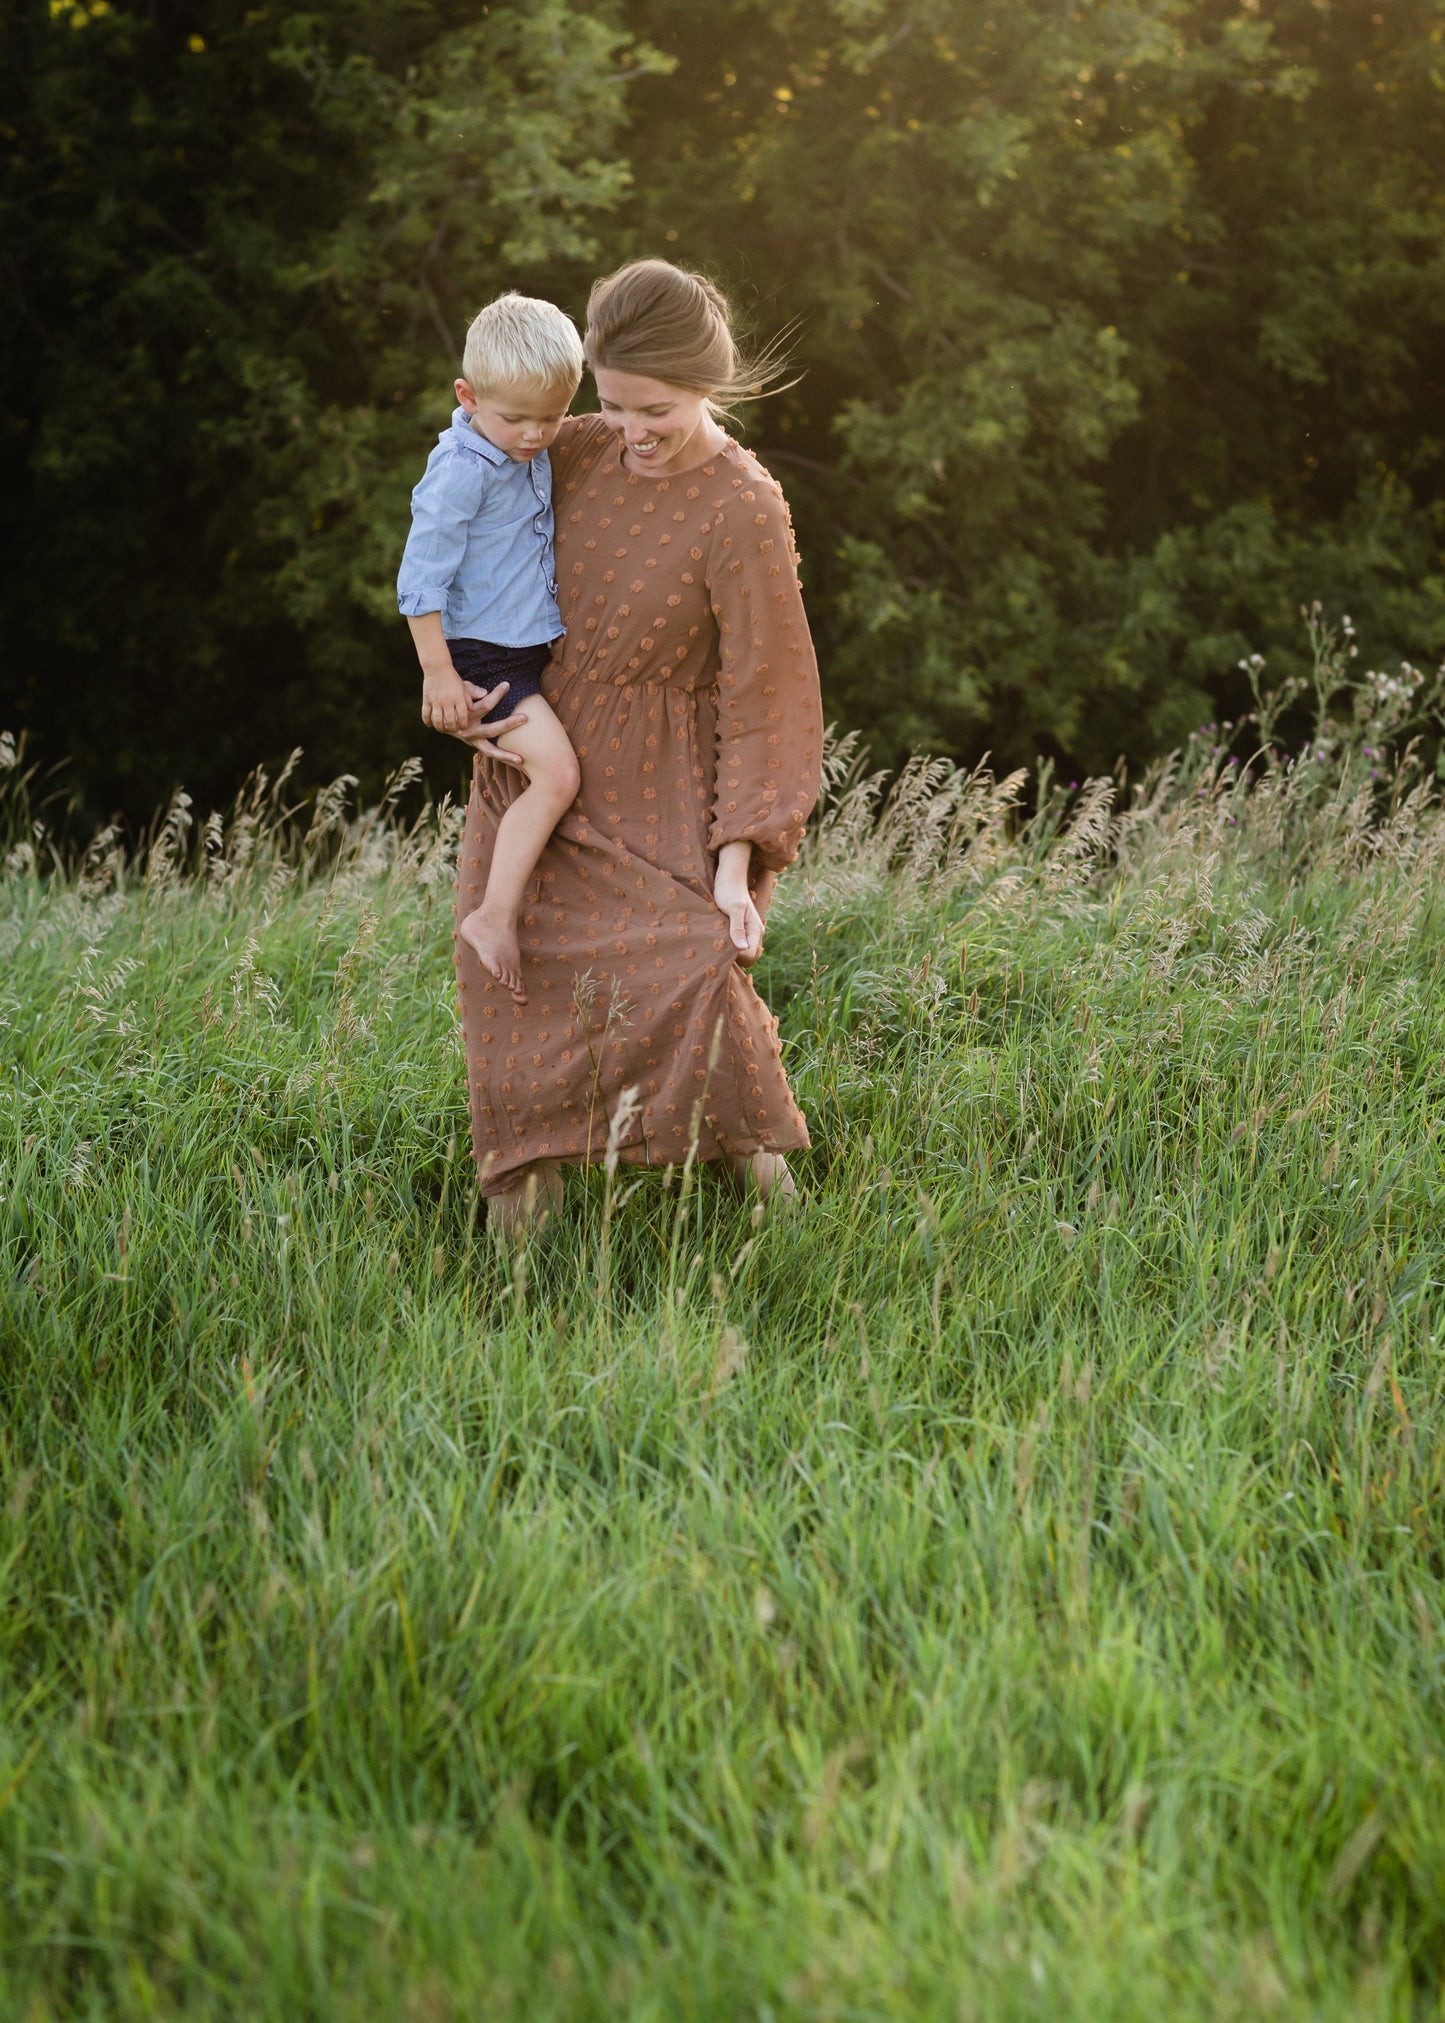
466 399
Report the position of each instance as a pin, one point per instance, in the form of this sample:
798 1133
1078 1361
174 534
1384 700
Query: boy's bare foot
496 949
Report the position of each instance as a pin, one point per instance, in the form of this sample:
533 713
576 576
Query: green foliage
1010 1588
245 263
1121 326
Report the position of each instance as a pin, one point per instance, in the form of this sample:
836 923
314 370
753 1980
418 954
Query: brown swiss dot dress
688 686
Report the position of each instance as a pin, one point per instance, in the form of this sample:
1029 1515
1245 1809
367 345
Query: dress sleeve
575 444
769 710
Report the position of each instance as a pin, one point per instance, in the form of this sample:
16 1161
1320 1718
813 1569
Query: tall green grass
1009 1588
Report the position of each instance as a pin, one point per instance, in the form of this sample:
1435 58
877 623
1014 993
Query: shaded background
1122 326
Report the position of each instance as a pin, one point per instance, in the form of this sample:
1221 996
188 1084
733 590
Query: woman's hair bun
669 323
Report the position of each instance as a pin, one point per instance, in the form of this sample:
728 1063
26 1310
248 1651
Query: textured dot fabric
687 682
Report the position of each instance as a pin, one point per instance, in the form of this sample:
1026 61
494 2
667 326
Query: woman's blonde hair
665 322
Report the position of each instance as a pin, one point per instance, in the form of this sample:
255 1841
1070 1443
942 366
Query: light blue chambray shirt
480 550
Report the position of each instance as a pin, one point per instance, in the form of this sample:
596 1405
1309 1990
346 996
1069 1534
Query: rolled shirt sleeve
770 711
444 502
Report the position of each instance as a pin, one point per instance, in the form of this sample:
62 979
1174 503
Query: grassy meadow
1008 1588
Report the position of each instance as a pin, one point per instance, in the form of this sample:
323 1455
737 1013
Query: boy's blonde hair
520 341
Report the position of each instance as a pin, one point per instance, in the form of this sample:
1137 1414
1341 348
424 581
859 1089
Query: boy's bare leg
552 782
518 1211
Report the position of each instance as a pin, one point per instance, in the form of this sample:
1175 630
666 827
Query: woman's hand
764 885
481 736
732 897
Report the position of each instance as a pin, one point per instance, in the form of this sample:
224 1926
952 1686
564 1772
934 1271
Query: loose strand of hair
758 374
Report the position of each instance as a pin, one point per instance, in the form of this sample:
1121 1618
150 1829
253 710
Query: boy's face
520 421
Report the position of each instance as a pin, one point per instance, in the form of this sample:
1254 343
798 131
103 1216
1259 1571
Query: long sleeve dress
688 685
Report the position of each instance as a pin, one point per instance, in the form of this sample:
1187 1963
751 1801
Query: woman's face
658 423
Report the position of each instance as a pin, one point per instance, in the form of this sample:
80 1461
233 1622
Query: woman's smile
663 428
659 444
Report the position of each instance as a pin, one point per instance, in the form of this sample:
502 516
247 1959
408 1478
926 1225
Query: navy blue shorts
484 665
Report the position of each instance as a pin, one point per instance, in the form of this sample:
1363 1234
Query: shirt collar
477 444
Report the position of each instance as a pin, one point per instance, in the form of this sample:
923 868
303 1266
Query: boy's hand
445 705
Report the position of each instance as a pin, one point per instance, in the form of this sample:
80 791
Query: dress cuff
772 852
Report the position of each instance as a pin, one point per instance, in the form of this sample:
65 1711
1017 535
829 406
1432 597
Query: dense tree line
1120 324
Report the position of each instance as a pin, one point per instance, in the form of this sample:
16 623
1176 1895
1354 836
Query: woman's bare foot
766 1174
524 1209
497 949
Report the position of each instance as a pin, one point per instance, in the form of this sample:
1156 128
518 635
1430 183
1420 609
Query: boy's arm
445 705
442 506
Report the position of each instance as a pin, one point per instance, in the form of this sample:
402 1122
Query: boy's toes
498 955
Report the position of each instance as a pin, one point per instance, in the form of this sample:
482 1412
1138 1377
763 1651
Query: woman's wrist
734 862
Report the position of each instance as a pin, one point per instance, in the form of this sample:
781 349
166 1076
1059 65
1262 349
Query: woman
687 683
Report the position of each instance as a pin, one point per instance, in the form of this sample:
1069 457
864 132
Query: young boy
477 584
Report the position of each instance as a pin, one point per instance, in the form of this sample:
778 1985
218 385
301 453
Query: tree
1120 322
241 262
1122 327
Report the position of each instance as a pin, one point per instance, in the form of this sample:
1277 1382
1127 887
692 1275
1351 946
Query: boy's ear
466 399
